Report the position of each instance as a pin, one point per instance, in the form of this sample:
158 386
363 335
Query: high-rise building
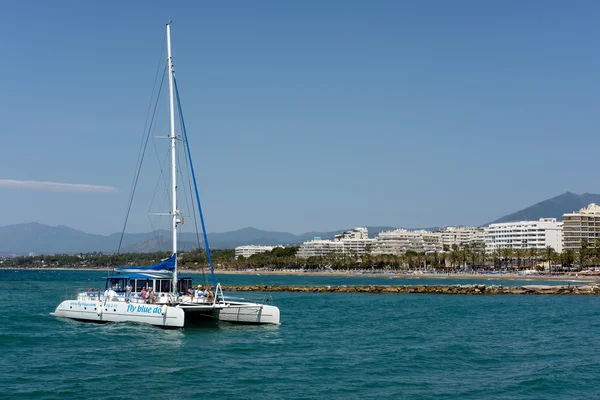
250 250
400 241
581 226
350 242
546 232
461 235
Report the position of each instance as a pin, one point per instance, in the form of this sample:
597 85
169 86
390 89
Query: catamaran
156 294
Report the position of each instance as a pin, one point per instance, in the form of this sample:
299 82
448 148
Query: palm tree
497 258
507 256
532 254
464 255
550 256
597 252
567 258
520 254
583 254
454 258
474 255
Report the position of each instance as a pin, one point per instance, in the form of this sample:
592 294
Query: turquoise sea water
330 345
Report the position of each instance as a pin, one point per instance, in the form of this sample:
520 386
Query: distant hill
22 239
552 208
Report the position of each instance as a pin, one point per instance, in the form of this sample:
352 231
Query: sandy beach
572 276
579 277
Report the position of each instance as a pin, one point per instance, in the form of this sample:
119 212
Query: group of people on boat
148 295
206 294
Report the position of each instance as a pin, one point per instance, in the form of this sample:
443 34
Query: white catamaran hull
238 312
249 313
92 309
116 311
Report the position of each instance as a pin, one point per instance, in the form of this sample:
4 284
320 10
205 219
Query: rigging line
139 167
210 263
160 165
182 179
158 181
144 132
194 214
159 238
156 237
154 87
189 202
184 188
192 202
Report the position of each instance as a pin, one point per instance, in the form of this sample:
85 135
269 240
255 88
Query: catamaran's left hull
116 311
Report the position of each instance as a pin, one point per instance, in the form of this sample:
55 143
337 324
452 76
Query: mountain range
38 238
552 208
22 239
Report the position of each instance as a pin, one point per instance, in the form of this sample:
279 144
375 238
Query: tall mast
174 211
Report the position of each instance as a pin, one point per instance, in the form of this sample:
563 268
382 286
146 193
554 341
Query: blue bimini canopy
167 265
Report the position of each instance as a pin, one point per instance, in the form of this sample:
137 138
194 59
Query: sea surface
329 346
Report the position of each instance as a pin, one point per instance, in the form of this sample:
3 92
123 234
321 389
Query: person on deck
110 293
190 292
128 290
200 294
144 293
151 295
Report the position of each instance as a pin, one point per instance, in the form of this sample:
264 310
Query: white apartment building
400 241
319 247
524 235
460 235
247 251
356 233
354 241
581 226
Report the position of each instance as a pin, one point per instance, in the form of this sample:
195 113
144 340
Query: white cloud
55 186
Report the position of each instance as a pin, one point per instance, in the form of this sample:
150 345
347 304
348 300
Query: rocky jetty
592 289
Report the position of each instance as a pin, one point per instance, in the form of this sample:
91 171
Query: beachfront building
319 247
581 226
355 241
247 251
399 241
547 232
462 235
350 242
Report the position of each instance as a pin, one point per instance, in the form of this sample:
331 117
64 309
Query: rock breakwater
426 289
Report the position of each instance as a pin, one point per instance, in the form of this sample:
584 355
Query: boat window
116 284
183 285
142 283
165 286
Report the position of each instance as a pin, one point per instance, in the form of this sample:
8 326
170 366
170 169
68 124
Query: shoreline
477 289
507 276
441 276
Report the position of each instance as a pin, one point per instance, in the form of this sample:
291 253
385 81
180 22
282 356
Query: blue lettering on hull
144 309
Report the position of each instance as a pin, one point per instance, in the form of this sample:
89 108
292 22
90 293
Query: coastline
441 276
421 275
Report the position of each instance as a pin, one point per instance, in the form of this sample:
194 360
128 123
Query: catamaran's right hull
237 312
249 313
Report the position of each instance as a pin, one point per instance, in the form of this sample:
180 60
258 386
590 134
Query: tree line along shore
455 259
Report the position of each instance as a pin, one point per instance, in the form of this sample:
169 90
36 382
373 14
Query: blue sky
305 115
